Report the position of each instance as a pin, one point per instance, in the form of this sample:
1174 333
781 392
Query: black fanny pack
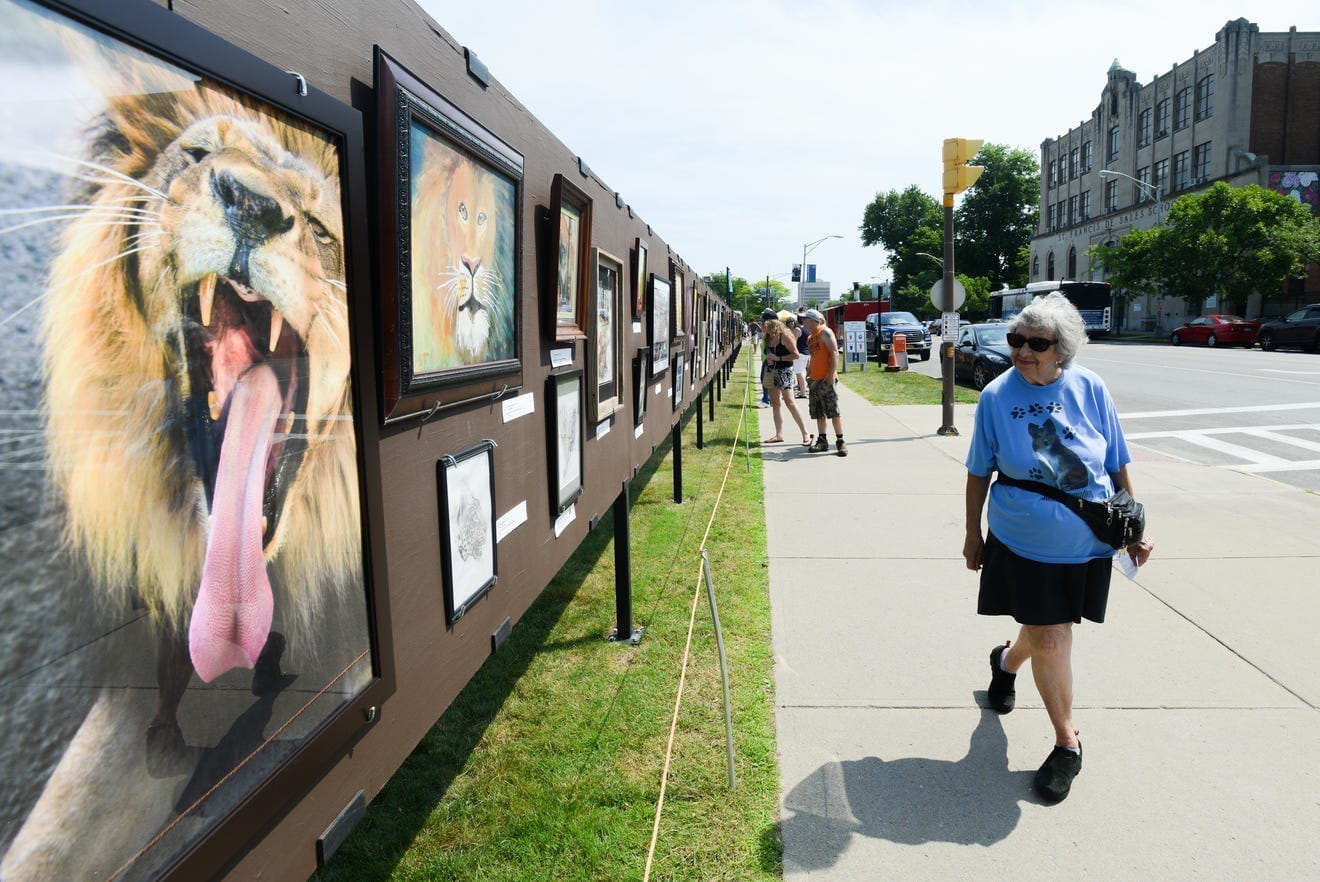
1118 521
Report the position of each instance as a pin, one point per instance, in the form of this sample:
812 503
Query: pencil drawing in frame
465 485
639 277
641 384
605 346
660 307
565 423
450 193
568 277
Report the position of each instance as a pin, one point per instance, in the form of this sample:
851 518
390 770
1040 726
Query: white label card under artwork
561 357
510 520
603 429
562 522
637 327
637 432
657 388
520 406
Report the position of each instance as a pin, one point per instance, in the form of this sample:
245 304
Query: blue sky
742 130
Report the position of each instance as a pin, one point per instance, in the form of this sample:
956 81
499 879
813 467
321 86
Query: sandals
778 439
806 442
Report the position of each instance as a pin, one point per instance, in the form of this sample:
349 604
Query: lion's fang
276 325
213 402
206 297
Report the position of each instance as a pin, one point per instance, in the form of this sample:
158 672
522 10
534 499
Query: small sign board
949 327
854 342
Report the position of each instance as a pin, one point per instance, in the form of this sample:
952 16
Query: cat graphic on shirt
1067 467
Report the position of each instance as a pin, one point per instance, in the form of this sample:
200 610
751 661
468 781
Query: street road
1241 409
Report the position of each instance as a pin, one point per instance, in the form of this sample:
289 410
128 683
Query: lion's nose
254 217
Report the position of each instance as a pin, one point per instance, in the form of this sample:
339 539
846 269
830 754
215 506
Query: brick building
1246 110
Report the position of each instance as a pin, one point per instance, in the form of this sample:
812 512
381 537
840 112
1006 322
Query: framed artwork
450 194
658 338
680 293
606 339
678 381
640 275
569 277
564 415
641 384
465 485
205 625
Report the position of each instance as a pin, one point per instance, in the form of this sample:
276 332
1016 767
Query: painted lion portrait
198 428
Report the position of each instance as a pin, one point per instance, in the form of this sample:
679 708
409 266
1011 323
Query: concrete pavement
1197 699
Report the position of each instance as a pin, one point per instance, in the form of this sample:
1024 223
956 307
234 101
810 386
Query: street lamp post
807 249
1147 188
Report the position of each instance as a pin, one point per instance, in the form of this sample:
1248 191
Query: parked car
1216 330
1300 328
905 323
981 353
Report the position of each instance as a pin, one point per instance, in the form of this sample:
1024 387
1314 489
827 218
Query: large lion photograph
182 597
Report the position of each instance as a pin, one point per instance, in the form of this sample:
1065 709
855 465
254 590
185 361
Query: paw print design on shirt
1035 474
1054 407
1068 433
1036 410
1017 413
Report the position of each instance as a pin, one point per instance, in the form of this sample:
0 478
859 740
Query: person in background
794 324
781 352
822 378
766 315
1053 421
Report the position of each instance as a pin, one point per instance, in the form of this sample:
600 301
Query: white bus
1094 300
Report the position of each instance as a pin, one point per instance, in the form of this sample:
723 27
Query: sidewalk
1197 699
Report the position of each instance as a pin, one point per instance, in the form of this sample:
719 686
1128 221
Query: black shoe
842 447
821 445
1054 779
1002 694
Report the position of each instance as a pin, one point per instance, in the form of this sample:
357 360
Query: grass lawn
901 387
548 764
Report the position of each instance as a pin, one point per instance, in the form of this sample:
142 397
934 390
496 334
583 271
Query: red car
1216 330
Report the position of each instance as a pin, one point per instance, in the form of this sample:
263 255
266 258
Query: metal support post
677 436
701 441
946 426
623 629
711 399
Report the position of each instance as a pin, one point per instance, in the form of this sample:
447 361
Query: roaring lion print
198 423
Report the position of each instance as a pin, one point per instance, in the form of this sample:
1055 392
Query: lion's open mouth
247 375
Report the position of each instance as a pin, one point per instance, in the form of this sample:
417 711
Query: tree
1227 241
743 297
998 216
904 224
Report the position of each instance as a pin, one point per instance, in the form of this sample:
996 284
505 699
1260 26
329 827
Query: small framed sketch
569 281
641 384
678 381
605 363
676 279
639 279
564 417
658 336
466 487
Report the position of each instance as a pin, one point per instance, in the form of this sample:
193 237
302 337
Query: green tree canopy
1232 241
998 216
904 224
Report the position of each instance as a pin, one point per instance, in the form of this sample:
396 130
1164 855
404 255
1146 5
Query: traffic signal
797 272
958 175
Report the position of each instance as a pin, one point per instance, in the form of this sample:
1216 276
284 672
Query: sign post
958 176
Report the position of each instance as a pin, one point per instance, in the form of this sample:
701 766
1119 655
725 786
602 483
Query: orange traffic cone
898 358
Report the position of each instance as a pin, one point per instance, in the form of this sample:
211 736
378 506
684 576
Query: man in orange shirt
822 377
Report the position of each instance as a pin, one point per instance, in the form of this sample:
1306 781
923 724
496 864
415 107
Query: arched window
1072 263
1035 265
1049 264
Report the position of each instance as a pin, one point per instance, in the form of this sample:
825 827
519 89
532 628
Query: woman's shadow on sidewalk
973 801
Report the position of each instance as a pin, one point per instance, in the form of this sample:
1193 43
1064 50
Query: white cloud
740 130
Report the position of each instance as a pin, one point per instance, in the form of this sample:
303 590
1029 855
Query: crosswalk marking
1252 460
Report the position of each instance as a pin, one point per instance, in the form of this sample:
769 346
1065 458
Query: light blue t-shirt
1065 434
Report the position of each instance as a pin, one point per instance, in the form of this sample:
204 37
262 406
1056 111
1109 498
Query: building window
1161 180
1054 218
1143 128
1035 265
1049 267
1086 205
1162 118
1205 96
1072 264
1201 163
1072 163
1111 196
1049 166
1180 171
1143 193
1086 157
1182 107
1113 143
1072 210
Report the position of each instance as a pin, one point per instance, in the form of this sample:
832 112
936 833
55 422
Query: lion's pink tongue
232 616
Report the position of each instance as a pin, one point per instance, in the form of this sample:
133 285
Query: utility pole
958 176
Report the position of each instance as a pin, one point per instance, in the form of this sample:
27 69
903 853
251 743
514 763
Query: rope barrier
687 647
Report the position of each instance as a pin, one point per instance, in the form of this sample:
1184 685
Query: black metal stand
623 573
701 441
677 444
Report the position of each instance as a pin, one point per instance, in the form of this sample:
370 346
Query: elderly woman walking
1052 421
780 352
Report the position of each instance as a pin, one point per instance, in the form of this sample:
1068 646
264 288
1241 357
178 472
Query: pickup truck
879 340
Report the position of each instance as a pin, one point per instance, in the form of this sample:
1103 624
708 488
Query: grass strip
891 388
547 765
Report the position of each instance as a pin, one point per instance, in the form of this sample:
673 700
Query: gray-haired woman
1053 421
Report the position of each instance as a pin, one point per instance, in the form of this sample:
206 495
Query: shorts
782 376
824 400
1036 593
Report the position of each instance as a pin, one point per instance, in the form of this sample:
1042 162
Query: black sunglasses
1037 344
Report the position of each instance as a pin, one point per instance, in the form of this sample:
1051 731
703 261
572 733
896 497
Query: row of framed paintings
452 194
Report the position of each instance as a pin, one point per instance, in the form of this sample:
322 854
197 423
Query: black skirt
1036 593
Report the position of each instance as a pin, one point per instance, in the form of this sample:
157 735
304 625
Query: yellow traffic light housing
958 175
